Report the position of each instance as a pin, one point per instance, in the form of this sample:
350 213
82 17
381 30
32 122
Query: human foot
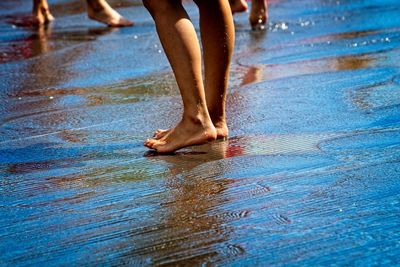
220 127
41 14
258 14
238 5
102 12
186 133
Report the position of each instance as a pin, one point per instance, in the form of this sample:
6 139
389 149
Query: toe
158 131
148 143
127 22
153 143
158 145
159 135
160 148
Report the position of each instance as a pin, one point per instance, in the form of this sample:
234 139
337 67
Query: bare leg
238 5
101 11
182 48
217 32
258 14
41 13
218 37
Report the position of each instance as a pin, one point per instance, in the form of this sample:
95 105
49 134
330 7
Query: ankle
95 6
220 123
41 8
218 118
196 120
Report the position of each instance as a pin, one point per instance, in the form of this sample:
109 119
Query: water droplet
155 46
159 51
135 37
281 25
51 97
19 98
305 23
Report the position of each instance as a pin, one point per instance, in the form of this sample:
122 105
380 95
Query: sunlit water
309 176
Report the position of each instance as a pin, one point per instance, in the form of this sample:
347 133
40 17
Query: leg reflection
195 226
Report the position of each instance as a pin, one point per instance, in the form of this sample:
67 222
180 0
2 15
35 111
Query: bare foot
102 12
186 133
258 14
220 127
41 14
238 5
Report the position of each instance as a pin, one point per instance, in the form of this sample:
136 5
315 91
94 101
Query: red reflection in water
33 45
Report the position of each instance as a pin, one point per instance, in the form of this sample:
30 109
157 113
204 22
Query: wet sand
309 176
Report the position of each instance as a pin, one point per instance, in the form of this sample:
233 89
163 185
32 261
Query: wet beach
308 177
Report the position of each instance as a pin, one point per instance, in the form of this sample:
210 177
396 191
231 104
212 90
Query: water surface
309 175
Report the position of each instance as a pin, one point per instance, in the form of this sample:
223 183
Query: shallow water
309 176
